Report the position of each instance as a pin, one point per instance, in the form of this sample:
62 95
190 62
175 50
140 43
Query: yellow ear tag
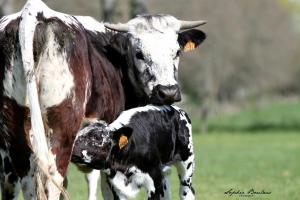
189 46
123 141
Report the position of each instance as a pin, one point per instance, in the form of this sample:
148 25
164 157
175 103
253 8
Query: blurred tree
6 7
293 5
109 9
137 7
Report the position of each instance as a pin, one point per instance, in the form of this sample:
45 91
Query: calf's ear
121 136
190 39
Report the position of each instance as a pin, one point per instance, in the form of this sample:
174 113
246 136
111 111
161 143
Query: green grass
258 148
275 117
242 161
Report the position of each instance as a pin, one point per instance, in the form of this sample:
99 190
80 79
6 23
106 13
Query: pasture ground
257 149
241 161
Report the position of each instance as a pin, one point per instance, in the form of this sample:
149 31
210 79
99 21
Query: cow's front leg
106 188
92 178
185 172
10 182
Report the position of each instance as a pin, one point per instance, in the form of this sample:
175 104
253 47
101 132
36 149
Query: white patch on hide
86 157
125 117
14 81
55 79
129 188
91 24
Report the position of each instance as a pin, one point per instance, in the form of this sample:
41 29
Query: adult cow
56 69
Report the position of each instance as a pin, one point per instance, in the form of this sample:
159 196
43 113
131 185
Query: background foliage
242 86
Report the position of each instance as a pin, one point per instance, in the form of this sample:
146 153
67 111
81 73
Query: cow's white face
156 50
156 57
155 45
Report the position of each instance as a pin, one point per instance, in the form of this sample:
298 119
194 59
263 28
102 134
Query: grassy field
239 155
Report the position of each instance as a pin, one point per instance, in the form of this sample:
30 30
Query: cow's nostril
161 94
166 94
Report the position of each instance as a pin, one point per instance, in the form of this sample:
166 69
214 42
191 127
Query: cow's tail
39 144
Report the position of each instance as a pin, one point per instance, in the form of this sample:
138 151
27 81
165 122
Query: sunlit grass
263 161
284 116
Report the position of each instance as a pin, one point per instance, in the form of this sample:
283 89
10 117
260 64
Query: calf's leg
166 189
158 179
185 172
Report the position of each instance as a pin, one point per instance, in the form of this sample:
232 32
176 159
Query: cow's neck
111 90
123 60
132 98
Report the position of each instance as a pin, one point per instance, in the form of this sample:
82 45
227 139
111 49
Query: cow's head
154 43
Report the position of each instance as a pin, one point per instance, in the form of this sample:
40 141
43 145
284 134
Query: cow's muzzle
165 95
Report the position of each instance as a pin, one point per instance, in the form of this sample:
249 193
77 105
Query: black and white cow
134 149
56 69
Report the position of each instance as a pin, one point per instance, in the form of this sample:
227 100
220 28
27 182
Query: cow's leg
166 189
185 172
166 185
29 182
92 181
16 152
106 188
10 182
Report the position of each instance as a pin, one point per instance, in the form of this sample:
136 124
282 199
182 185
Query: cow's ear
191 39
121 136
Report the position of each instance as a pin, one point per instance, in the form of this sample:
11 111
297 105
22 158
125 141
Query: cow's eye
139 55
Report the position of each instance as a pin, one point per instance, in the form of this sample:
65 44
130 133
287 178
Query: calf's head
154 44
92 145
96 145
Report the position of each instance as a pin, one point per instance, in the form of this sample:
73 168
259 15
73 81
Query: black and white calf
136 147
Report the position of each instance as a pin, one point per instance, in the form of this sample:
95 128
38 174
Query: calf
134 149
